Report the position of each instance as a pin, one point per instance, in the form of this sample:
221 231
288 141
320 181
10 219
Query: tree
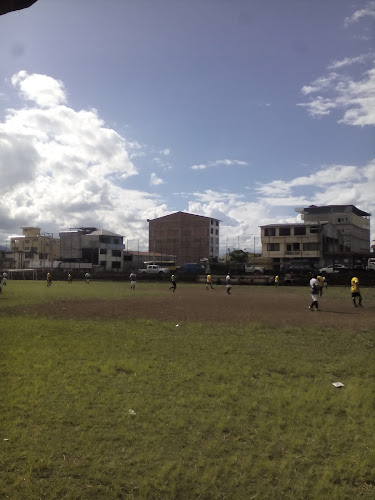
238 256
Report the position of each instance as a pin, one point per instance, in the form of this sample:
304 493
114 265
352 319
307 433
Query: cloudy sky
115 112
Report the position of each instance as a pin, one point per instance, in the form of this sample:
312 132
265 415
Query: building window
217 222
299 231
212 231
103 251
269 231
314 229
273 247
116 264
212 222
116 253
292 247
102 263
216 232
311 247
116 241
284 231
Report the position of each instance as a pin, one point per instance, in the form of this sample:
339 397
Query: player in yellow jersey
355 292
209 282
320 284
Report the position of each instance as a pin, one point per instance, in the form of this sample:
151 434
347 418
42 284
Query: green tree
238 256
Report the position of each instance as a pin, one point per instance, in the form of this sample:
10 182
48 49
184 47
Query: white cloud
64 168
348 61
368 11
155 180
355 98
329 185
43 90
320 84
201 166
218 163
166 152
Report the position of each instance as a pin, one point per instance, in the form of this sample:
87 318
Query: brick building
188 237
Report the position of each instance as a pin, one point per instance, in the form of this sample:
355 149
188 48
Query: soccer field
109 393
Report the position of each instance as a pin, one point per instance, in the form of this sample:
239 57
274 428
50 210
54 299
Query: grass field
127 404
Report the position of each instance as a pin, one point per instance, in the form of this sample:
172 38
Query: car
333 268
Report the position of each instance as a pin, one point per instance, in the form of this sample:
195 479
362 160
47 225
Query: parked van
193 268
371 264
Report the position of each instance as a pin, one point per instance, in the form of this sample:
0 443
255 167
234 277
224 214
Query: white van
371 264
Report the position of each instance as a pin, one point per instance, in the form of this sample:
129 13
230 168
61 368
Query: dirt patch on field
194 304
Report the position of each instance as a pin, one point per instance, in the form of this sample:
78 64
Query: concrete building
353 224
311 243
91 245
187 236
34 249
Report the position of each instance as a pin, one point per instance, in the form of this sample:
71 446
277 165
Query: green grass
142 409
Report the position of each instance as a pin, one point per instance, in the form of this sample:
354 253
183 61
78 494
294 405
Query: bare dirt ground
276 306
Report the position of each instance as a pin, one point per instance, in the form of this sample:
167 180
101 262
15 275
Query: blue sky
115 112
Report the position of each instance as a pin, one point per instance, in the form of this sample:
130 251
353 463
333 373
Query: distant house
186 236
33 249
352 223
91 245
312 243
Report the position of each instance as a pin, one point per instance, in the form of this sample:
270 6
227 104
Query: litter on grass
338 384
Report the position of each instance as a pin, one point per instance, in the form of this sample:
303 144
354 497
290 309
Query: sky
115 112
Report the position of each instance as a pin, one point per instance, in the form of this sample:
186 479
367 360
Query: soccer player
87 277
208 282
314 294
173 280
228 284
277 280
5 277
320 284
355 292
49 279
133 279
69 278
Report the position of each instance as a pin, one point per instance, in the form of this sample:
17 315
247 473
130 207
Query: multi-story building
312 243
187 236
353 224
91 245
34 249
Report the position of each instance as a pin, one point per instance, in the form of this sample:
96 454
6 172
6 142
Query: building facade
188 237
352 223
91 245
34 249
313 243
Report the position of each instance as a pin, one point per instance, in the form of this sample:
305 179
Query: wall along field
104 396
